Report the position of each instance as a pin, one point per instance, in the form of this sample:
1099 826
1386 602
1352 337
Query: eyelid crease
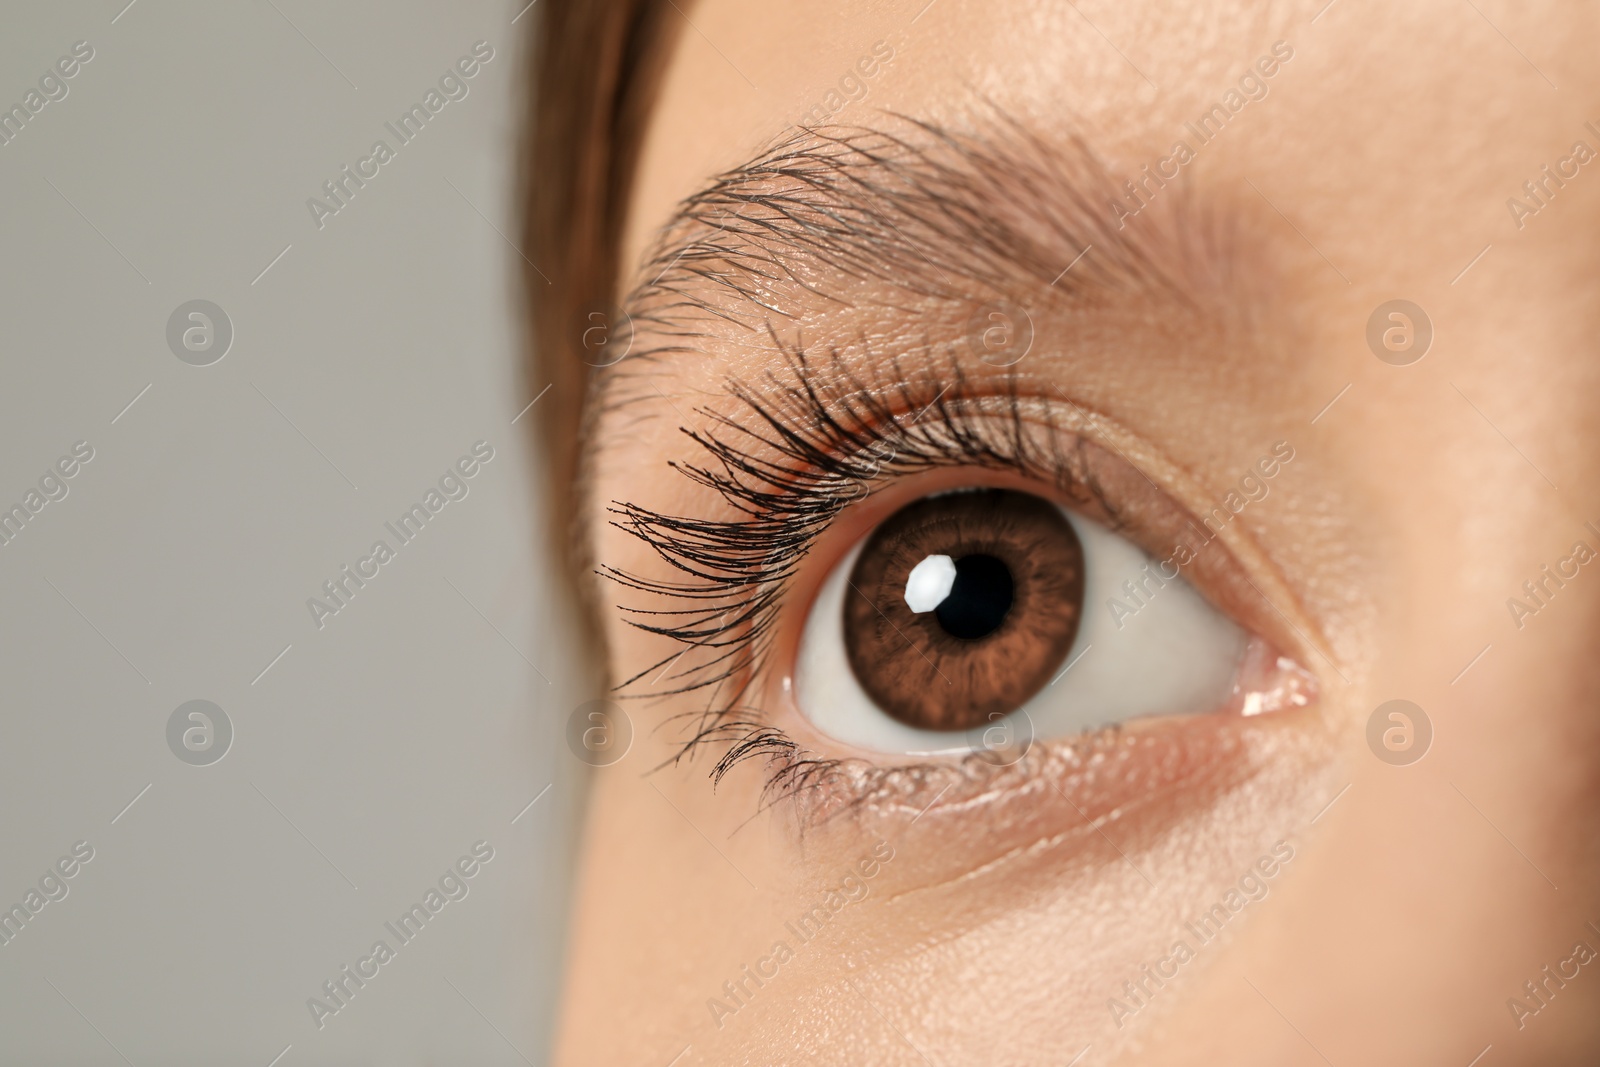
1191 493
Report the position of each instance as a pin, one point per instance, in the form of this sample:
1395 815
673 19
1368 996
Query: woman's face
1023 495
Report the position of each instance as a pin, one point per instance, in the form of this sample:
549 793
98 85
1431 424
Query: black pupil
978 600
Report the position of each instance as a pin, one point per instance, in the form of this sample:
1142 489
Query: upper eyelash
818 442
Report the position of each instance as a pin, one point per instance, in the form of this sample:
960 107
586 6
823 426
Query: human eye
981 619
937 575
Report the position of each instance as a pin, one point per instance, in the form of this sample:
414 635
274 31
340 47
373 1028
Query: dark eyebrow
918 213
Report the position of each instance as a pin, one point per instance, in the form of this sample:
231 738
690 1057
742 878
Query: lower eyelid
1145 780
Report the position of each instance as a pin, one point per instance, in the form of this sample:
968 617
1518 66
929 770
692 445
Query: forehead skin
1378 166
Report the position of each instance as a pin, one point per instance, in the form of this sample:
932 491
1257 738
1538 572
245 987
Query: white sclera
1174 654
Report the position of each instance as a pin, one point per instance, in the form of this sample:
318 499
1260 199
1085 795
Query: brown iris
988 616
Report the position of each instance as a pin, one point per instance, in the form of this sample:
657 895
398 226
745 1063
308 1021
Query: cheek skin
1037 911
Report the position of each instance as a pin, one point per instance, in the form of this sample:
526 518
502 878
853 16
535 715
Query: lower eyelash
819 442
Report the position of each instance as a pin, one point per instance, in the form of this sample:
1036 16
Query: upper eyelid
1194 495
1285 620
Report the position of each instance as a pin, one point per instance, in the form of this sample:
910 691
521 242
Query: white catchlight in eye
930 583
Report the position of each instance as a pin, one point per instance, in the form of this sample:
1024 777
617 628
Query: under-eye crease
808 443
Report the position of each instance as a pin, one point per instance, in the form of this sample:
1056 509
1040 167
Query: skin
1007 921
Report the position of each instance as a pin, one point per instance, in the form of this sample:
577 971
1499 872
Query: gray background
429 712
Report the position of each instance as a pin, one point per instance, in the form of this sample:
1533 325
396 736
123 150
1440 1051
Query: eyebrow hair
921 212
